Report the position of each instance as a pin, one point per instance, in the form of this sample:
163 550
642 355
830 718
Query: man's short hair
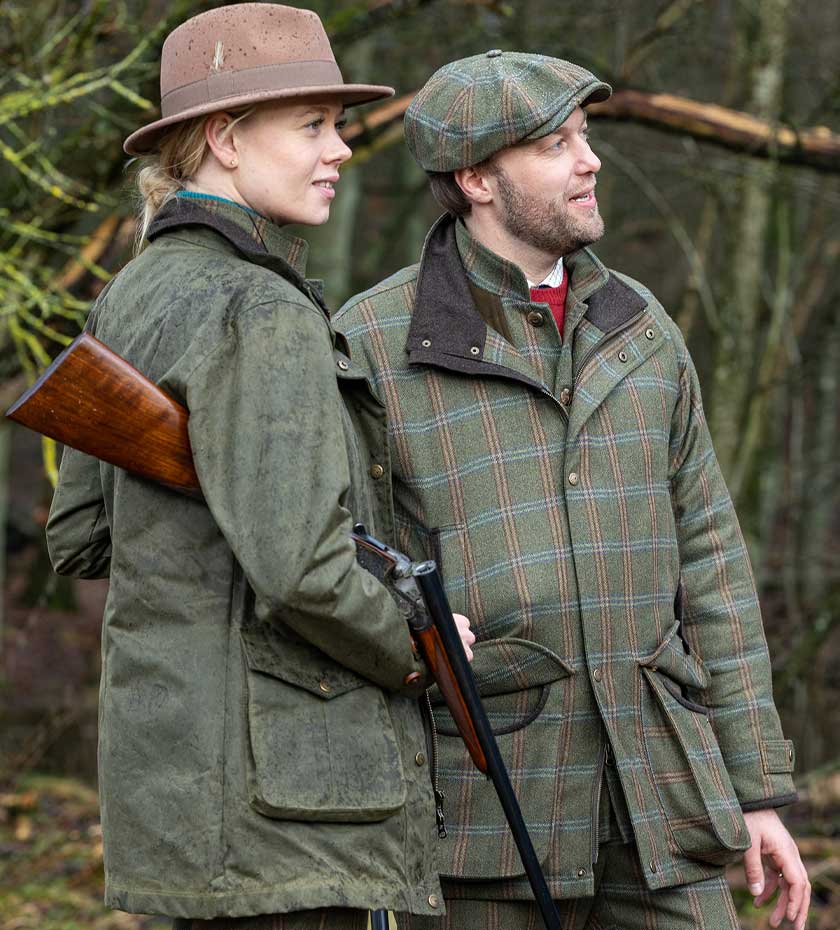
447 192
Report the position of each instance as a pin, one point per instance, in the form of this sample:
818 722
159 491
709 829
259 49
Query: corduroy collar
250 233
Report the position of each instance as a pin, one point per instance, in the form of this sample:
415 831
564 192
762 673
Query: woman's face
288 157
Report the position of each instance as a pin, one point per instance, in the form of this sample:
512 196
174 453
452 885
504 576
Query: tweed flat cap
476 106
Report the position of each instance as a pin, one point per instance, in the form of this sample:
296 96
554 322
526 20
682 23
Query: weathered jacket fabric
256 745
570 492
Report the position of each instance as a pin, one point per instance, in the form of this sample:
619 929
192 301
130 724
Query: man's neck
535 264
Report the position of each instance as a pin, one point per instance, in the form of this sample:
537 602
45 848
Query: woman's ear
473 183
221 139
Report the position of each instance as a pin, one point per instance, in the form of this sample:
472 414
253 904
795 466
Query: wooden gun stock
93 400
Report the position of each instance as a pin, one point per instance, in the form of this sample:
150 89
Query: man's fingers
466 634
754 869
781 905
771 883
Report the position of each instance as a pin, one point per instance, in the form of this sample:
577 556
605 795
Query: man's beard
545 225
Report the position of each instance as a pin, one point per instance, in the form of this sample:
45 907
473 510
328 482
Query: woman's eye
316 123
341 124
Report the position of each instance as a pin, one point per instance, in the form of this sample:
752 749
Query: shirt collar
553 279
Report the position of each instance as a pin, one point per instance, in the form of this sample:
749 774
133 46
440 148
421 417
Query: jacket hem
206 904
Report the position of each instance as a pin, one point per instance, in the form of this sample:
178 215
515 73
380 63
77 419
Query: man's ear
221 140
473 183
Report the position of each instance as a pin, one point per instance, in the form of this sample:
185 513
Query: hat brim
144 141
594 92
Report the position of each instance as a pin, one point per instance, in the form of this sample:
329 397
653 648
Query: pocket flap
777 756
505 666
672 660
298 663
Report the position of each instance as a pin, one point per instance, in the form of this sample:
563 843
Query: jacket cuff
766 803
766 781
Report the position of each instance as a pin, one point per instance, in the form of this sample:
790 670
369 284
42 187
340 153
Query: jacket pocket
322 743
686 765
514 678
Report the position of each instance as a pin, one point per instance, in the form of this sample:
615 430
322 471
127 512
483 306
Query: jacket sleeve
720 610
78 532
267 436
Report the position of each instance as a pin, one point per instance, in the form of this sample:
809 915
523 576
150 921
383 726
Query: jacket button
573 477
596 674
474 350
581 873
535 318
325 686
426 343
649 334
622 356
565 397
342 364
652 866
420 759
376 471
434 901
411 677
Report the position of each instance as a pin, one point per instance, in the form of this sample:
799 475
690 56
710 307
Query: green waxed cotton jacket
256 744
570 492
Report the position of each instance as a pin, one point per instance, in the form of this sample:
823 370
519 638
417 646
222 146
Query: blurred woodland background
720 190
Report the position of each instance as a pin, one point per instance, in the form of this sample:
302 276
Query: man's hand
773 862
467 635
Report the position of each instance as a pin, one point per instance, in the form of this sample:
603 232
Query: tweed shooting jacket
570 492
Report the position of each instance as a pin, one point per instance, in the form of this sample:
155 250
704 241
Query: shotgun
93 400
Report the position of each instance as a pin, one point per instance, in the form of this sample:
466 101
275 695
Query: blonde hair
181 152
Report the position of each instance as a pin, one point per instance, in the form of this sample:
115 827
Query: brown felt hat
242 54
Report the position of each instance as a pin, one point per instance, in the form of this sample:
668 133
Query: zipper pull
440 797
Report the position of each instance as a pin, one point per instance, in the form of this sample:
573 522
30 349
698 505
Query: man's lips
584 198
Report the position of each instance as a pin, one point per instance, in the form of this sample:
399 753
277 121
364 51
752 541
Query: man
549 449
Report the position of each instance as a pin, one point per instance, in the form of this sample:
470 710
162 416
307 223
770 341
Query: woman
261 752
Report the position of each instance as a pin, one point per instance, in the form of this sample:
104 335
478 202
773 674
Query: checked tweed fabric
471 108
570 492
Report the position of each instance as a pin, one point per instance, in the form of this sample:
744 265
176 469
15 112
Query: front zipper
440 797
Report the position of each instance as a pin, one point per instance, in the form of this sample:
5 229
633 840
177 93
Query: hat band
216 87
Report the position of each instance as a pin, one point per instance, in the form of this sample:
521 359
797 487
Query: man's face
544 190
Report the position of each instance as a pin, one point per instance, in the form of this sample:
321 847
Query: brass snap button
565 397
652 866
420 759
411 677
573 478
494 53
426 343
342 364
325 686
376 471
596 674
622 356
581 873
535 318
649 334
474 350
434 901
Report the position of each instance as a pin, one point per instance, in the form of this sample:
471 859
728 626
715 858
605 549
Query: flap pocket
505 666
322 742
672 660
513 677
777 756
298 663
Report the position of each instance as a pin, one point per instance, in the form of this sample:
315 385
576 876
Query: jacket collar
463 287
250 233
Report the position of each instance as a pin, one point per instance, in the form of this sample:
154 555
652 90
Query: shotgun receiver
93 400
